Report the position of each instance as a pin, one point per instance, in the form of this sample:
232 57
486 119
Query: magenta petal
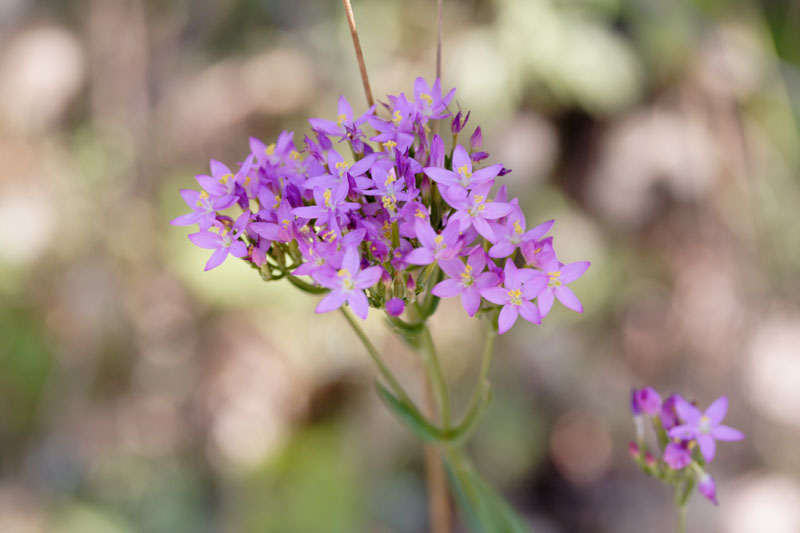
545 301
216 258
238 249
535 286
447 288
573 271
707 488
440 175
494 210
726 433
452 267
358 303
352 260
420 256
368 277
483 228
687 412
496 295
332 301
708 447
502 249
676 456
471 300
206 239
508 316
683 432
568 298
187 219
530 312
717 410
461 158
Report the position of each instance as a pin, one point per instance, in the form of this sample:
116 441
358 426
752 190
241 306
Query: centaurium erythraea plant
374 209
686 440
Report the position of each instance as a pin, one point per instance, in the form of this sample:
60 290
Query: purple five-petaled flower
466 280
435 246
348 284
223 243
559 275
521 285
706 428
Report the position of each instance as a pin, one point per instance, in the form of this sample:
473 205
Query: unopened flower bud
476 139
707 487
634 450
395 307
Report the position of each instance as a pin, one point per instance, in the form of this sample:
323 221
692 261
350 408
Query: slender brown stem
438 501
348 9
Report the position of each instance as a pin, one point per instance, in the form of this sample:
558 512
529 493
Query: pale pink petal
568 298
425 233
495 210
187 219
477 260
480 176
508 315
683 432
484 229
539 231
238 249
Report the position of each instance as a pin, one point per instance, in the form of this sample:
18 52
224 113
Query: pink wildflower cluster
687 437
367 208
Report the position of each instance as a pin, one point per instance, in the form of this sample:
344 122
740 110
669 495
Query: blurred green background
139 394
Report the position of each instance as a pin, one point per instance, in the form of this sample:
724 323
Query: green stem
435 375
383 369
486 363
681 504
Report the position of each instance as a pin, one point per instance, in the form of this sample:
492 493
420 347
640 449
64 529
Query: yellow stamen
269 150
420 214
204 195
277 203
438 239
224 179
389 145
466 276
515 296
517 227
554 281
341 166
327 196
294 154
427 98
397 117
340 120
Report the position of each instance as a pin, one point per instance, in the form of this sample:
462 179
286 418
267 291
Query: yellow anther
397 117
464 171
554 281
224 179
388 203
438 239
269 150
343 272
347 280
294 154
420 214
204 195
515 296
466 276
537 251
329 235
341 166
481 207
285 223
247 181
340 120
389 145
517 227
427 98
391 178
277 203
327 196
478 199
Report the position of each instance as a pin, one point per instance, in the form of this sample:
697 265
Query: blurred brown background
139 394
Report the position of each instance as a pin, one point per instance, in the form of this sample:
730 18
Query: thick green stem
383 369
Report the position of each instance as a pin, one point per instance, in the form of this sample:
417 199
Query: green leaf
410 416
483 508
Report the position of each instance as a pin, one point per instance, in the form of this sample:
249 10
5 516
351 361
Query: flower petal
358 303
333 300
448 288
471 300
573 271
206 239
717 410
726 433
508 316
568 298
708 447
216 258
530 312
